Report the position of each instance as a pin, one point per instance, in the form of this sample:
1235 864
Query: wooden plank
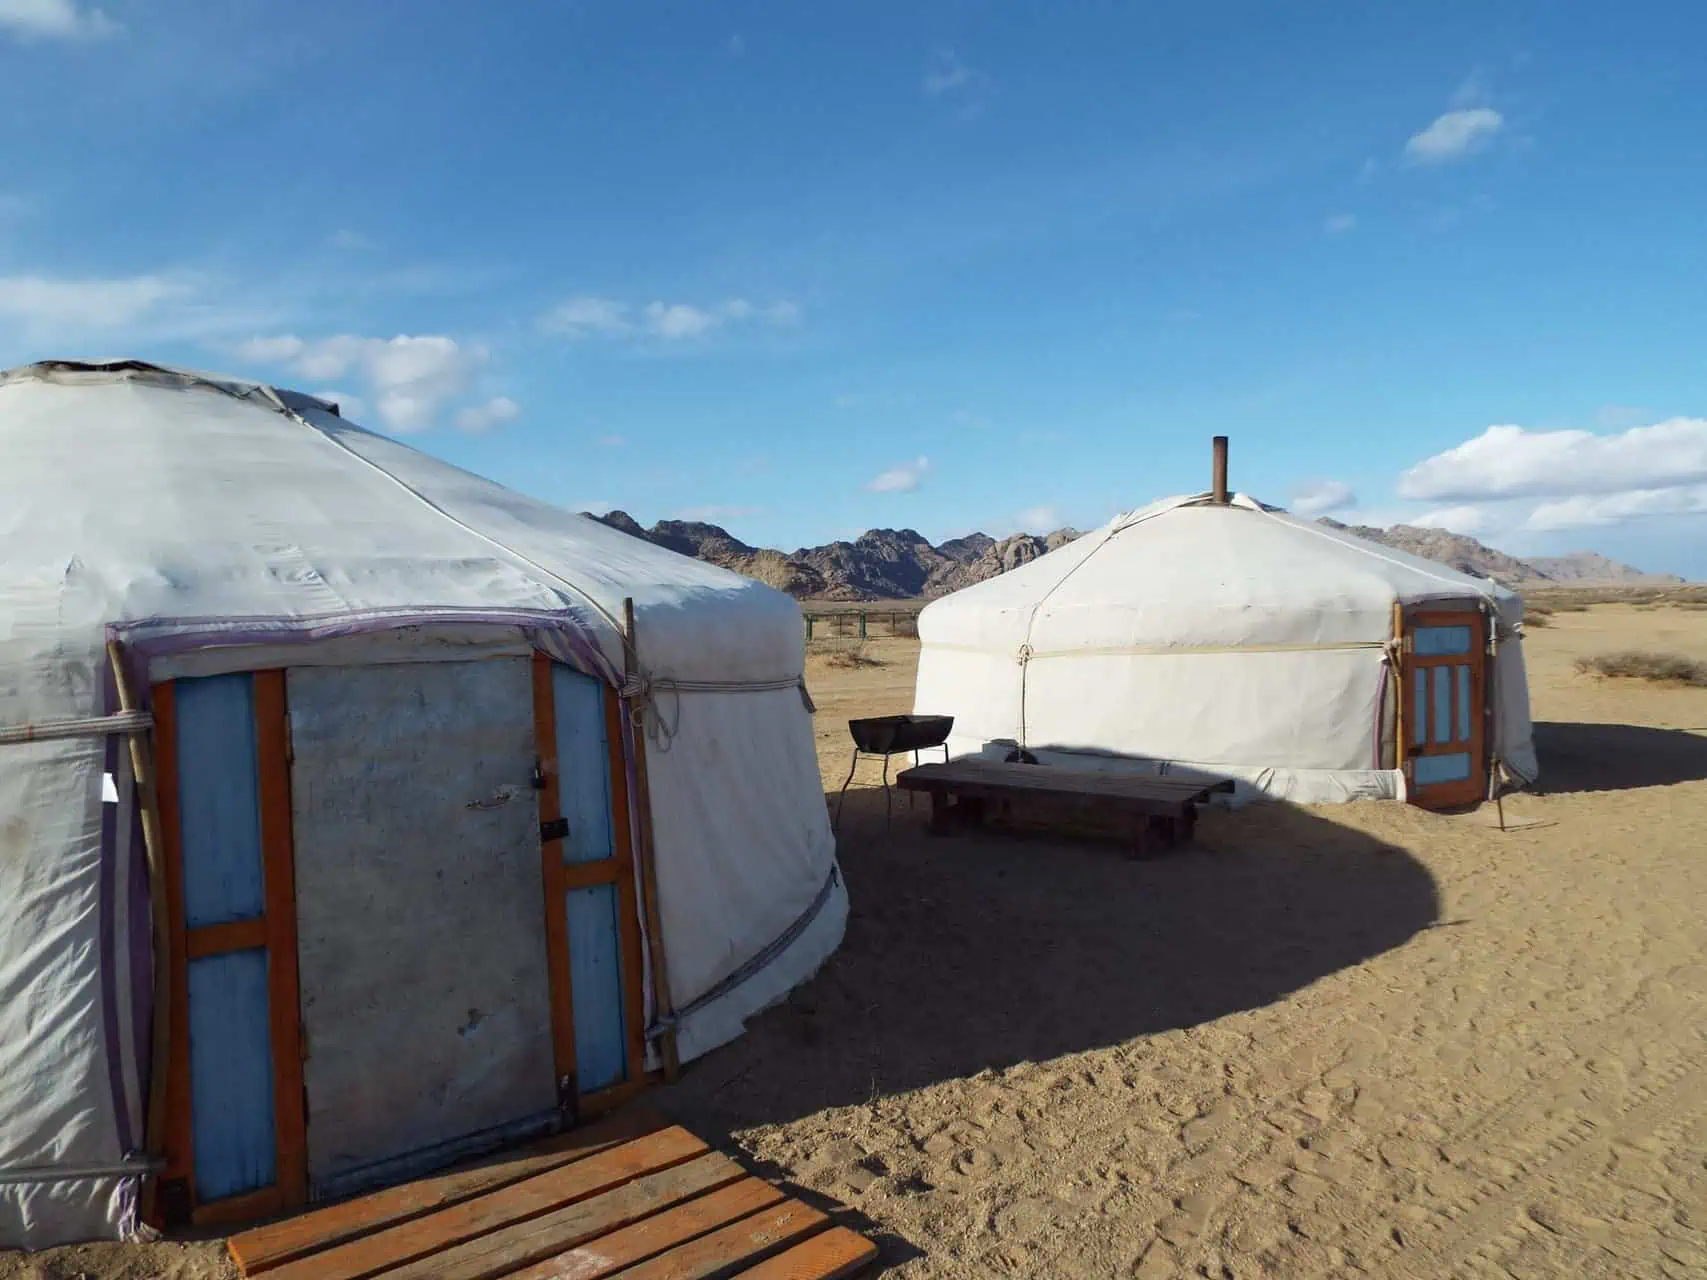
551 873
627 904
832 1255
992 778
605 1101
736 1247
502 1252
178 1146
1046 776
278 869
588 875
652 1236
233 935
970 793
244 1208
268 1247
409 1241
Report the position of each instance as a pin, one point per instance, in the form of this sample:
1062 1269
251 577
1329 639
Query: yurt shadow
1616 757
986 950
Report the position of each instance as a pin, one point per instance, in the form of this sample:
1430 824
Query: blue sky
807 268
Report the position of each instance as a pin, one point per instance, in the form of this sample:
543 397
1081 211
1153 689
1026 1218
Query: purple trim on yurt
151 638
107 956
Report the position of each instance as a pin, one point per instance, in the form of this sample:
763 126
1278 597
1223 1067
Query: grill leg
841 796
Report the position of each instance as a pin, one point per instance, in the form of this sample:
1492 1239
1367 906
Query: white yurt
1216 635
357 813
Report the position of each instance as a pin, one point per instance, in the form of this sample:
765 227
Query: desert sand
1359 1040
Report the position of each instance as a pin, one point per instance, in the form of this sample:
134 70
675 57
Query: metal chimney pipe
1221 495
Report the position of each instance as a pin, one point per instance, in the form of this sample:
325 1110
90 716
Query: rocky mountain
1590 568
1461 551
902 564
714 544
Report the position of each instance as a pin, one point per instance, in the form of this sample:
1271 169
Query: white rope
49 730
641 692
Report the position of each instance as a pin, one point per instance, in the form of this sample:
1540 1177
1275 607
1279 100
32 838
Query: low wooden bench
1163 809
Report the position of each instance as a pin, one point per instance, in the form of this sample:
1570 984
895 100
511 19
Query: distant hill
902 564
1458 550
1591 569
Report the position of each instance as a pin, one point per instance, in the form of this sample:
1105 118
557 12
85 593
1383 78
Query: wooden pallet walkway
629 1196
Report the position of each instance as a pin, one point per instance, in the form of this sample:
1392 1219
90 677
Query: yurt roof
136 491
1190 570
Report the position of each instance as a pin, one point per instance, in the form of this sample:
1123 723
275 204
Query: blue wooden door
230 1052
593 865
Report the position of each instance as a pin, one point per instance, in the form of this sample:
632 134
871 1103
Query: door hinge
555 829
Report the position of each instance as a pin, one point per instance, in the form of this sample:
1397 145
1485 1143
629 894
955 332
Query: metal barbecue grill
879 737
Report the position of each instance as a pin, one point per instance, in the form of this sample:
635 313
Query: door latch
556 829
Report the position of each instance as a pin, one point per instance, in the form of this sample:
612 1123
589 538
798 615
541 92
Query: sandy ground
1357 1040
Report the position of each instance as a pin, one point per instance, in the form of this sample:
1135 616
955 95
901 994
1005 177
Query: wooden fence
861 624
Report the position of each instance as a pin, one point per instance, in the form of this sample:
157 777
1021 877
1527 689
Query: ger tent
1229 638
400 744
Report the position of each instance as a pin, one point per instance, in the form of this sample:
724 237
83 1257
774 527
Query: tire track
1482 1221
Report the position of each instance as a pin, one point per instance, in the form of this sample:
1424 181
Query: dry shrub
1662 668
852 657
1533 618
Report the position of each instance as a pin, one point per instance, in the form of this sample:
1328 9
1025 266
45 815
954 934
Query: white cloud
1367 171
713 512
1318 497
1039 520
1454 135
410 378
948 74
679 320
1594 511
901 479
48 304
54 20
613 442
1509 462
584 317
270 350
1339 223
1462 519
590 317
483 417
